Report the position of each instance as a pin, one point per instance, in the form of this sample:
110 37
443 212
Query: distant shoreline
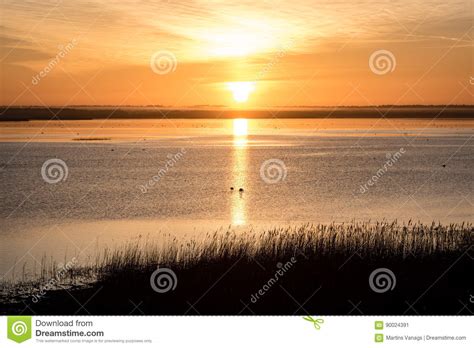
151 112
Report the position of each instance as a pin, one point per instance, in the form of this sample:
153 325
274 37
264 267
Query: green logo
316 322
19 328
379 338
379 325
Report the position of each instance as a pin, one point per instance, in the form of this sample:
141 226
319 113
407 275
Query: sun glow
241 90
240 127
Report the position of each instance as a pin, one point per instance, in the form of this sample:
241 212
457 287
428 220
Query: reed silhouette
220 274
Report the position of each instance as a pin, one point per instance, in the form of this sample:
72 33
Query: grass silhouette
247 273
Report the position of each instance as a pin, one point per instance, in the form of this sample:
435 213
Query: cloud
219 40
199 30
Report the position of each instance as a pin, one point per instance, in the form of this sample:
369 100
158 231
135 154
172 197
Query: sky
236 53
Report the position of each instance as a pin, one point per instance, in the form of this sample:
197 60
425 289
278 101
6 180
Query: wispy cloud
232 37
203 29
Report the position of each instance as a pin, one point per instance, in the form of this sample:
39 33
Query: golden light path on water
239 170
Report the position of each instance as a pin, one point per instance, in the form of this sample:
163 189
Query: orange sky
282 53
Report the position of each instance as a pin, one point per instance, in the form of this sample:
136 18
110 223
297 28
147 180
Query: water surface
117 191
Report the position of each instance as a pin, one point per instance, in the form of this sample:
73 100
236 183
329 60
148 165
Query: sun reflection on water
239 173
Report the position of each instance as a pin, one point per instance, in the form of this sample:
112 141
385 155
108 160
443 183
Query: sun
240 127
241 90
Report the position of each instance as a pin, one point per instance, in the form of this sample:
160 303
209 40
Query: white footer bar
237 331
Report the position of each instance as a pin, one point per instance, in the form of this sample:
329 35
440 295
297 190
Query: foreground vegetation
299 270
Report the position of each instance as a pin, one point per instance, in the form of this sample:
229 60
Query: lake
126 180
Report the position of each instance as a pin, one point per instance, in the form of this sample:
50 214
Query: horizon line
197 107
